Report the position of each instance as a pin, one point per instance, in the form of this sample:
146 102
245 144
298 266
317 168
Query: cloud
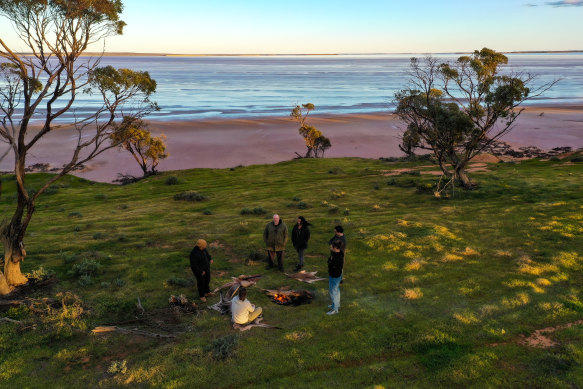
562 3
567 3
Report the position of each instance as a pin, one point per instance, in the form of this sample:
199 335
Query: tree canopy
457 109
39 87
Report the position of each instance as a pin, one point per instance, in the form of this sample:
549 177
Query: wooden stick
9 320
103 330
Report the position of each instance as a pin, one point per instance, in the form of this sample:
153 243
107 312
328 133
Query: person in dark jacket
300 238
339 236
200 263
275 238
335 267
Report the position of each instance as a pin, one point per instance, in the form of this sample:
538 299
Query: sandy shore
222 143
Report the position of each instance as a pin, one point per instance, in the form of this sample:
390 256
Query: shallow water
229 87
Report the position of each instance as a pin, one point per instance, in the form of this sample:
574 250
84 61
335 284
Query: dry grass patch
451 258
414 265
412 294
466 318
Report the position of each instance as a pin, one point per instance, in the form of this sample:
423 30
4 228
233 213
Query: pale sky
342 26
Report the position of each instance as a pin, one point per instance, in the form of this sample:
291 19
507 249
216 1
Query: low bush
223 348
172 180
189 196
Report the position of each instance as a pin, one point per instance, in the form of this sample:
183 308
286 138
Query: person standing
339 236
242 311
200 263
300 238
335 267
275 237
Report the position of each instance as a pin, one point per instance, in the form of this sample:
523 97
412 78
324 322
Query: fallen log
305 276
9 320
104 330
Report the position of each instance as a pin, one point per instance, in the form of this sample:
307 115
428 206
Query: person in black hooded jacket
300 238
200 263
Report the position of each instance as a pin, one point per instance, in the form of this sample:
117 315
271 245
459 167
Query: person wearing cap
200 263
275 238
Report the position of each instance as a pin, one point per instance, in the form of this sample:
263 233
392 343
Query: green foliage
181 282
223 348
118 367
172 180
88 268
316 142
189 196
207 211
41 274
458 117
254 211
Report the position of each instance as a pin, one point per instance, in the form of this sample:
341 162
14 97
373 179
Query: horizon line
142 54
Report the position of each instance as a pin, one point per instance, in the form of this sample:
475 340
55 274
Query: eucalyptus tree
40 86
316 142
456 110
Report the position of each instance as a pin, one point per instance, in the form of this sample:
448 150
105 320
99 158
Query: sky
341 26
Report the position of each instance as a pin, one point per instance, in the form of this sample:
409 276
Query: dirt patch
234 260
218 274
537 339
396 172
487 158
216 244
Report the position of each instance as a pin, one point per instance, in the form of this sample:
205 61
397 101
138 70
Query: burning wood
242 280
290 297
305 276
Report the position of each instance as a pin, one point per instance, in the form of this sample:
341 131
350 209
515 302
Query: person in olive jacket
200 263
275 238
300 238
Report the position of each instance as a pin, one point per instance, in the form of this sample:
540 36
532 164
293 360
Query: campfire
290 297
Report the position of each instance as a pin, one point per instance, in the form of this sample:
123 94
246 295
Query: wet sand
223 143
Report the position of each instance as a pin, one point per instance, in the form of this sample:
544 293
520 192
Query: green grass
438 292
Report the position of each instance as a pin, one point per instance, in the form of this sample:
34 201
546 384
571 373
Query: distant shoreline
130 54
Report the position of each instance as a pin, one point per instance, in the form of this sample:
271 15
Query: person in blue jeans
335 266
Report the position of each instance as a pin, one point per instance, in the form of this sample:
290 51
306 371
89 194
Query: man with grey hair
275 238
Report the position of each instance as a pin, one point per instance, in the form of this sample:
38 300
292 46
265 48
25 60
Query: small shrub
302 205
180 282
207 211
51 190
123 206
100 196
577 159
105 285
376 186
392 182
337 194
296 198
254 211
87 267
41 274
118 367
172 180
76 228
335 170
98 235
122 238
85 280
376 207
61 209
333 209
346 212
415 173
69 258
555 159
189 196
75 214
223 348
119 282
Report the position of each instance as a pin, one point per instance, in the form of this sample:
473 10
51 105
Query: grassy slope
418 308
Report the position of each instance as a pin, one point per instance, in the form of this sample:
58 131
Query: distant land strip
130 54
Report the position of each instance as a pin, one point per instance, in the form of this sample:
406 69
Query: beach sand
223 143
